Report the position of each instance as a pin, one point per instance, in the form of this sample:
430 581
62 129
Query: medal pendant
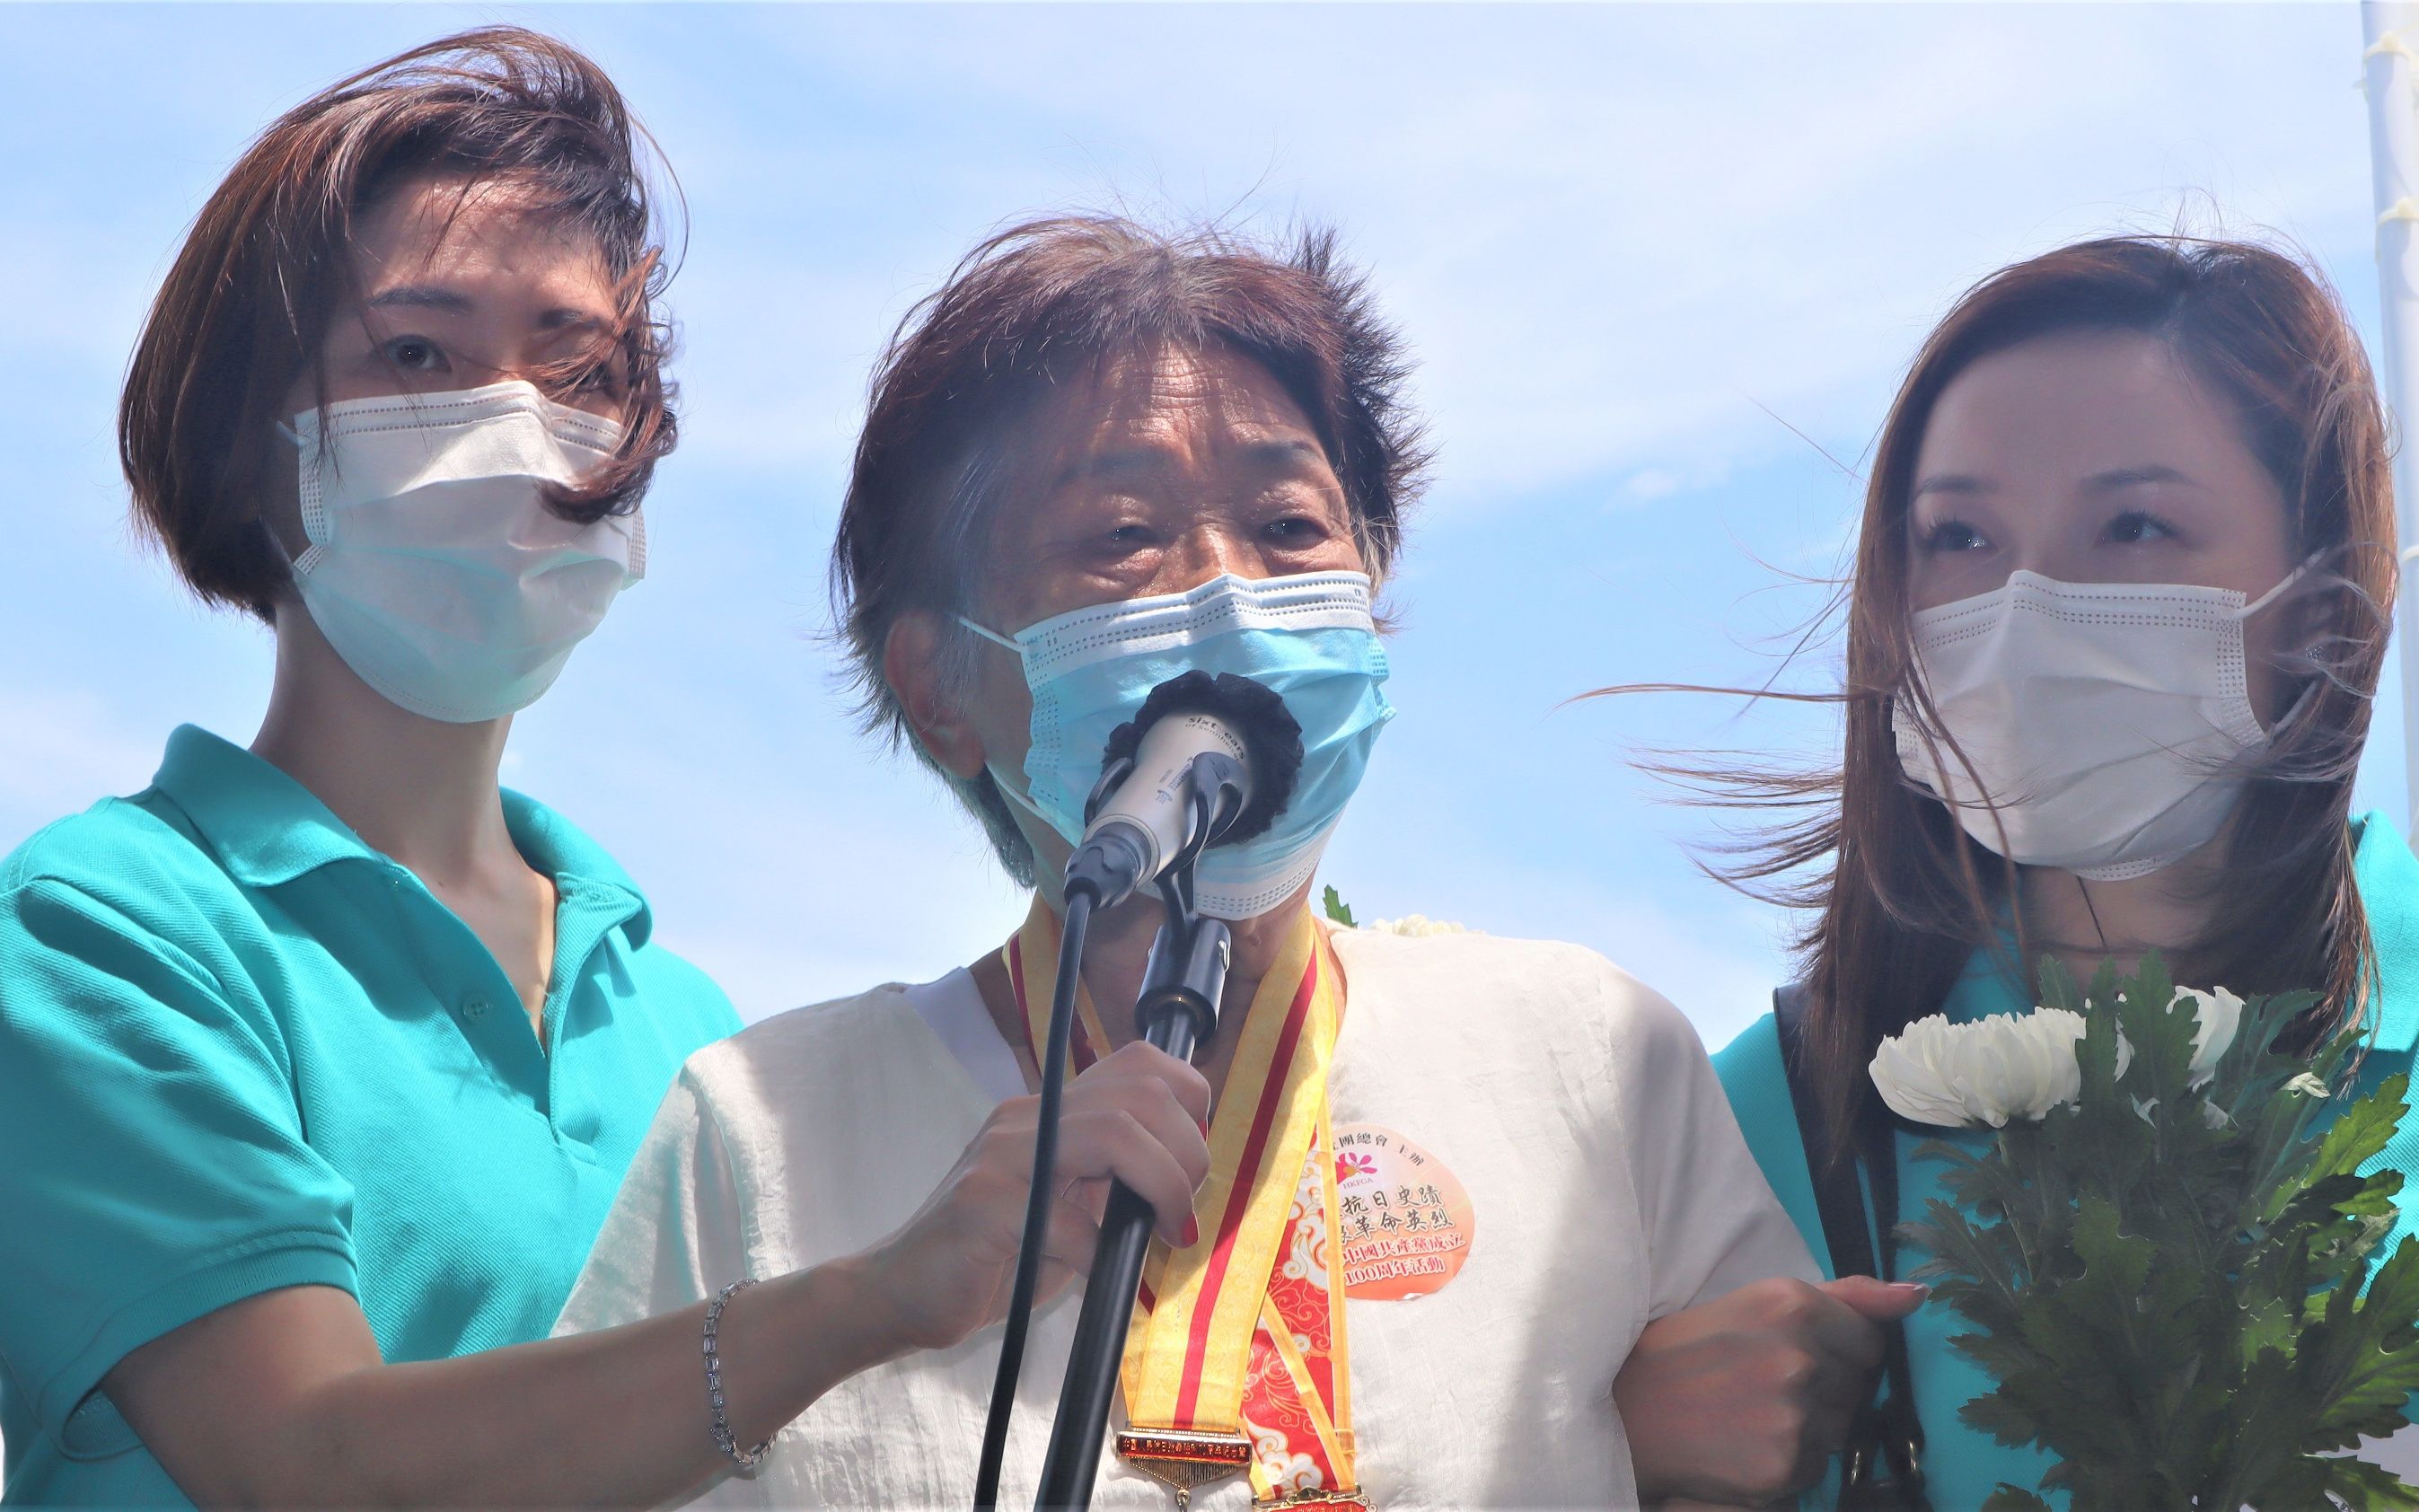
1340 1501
1180 1461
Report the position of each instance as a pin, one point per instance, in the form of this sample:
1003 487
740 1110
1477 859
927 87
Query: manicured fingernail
1191 1232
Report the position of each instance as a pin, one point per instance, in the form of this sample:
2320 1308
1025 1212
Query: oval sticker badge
1404 1220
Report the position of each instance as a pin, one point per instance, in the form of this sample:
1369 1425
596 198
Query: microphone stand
1176 1010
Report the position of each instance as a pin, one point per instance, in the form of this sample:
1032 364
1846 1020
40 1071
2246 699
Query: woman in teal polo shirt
2122 598
321 1061
331 1036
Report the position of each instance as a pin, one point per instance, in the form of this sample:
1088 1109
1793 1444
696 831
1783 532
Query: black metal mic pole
1177 1009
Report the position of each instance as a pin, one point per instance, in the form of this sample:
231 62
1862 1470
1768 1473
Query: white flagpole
2391 73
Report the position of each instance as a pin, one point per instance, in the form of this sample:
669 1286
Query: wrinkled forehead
1161 414
1169 391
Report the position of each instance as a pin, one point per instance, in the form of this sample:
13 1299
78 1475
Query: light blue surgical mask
1311 638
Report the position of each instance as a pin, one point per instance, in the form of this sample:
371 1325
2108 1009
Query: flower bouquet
2161 1251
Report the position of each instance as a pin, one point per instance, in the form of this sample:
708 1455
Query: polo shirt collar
558 848
267 830
266 827
2388 876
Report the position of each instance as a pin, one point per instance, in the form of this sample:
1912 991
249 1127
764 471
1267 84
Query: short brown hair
244 309
1053 300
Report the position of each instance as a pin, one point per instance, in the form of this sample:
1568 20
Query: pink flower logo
1355 1163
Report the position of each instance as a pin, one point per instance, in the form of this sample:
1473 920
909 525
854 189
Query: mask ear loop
998 779
2284 585
275 545
2309 691
1008 790
994 637
307 501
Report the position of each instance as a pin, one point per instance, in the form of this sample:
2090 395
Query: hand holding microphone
1135 1118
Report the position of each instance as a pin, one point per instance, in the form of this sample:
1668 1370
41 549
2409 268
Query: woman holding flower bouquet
2122 598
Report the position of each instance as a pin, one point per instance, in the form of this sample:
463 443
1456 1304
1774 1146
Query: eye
2138 527
1953 535
415 354
1295 529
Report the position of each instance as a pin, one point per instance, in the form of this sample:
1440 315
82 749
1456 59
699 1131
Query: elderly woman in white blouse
1448 1182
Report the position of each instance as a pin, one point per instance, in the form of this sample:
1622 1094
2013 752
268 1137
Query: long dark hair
1899 896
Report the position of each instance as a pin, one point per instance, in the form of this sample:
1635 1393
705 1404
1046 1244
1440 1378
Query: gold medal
1233 1367
1180 1461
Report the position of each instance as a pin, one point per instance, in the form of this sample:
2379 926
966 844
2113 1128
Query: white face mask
435 568
2109 724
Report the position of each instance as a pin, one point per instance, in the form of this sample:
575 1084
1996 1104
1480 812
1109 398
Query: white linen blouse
1609 1182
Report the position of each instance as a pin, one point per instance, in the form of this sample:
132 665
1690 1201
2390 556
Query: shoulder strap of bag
1845 1229
1889 1433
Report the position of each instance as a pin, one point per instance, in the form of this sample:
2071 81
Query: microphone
1207 761
1224 737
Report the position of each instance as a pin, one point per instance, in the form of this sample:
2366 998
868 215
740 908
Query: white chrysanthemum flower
2022 1065
1982 1073
1415 925
2217 1015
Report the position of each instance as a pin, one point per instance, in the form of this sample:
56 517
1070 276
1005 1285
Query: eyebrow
2135 476
419 297
564 317
1953 483
1135 461
453 301
1286 452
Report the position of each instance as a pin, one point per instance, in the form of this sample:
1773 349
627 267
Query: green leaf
2360 1360
2362 1486
2160 1031
1337 909
1997 1415
2363 1129
1998 1354
2110 1258
2014 1499
2058 986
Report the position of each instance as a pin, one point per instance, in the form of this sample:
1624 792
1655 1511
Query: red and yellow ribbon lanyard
1237 1355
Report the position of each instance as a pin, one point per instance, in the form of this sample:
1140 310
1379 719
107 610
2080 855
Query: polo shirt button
474 1007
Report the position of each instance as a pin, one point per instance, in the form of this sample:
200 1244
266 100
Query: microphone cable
1036 1208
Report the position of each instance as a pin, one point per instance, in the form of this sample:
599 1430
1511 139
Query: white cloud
1611 233
1651 484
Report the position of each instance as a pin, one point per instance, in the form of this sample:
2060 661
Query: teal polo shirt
240 1050
1964 1465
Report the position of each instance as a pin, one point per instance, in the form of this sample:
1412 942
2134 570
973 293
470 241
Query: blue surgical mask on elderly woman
1311 638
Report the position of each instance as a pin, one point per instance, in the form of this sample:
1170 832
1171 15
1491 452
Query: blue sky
1623 241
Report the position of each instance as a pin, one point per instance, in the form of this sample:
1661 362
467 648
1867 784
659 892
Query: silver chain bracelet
722 1439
